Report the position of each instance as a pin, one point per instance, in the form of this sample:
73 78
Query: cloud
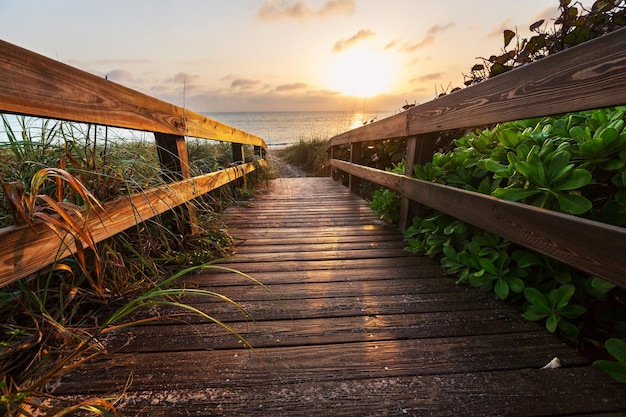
244 83
183 78
427 77
276 9
428 39
361 35
290 87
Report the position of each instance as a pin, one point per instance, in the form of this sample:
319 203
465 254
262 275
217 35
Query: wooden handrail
588 76
31 84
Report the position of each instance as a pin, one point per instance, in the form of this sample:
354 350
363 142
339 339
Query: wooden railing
589 76
33 85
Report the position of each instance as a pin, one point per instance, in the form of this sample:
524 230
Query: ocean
280 129
277 129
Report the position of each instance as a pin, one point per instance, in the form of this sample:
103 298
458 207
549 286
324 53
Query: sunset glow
361 72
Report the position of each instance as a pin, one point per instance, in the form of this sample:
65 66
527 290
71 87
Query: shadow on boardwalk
363 330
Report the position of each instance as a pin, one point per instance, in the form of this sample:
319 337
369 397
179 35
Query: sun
361 72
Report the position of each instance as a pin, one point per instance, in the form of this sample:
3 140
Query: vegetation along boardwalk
363 329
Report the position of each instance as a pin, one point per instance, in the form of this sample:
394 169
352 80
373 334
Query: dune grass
308 155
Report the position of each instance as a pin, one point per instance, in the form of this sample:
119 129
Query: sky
274 55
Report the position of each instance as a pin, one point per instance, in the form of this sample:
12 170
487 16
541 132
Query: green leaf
568 328
572 311
488 266
616 370
501 289
552 322
537 299
558 298
514 194
515 284
617 349
531 314
573 203
577 178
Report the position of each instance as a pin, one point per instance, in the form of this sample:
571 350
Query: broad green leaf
488 266
514 194
552 322
558 166
577 178
579 134
568 328
515 284
559 297
501 289
533 315
612 165
573 203
616 370
617 349
537 299
572 311
593 148
563 277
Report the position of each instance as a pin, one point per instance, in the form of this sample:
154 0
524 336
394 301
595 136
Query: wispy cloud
428 39
427 77
362 34
290 87
277 9
244 83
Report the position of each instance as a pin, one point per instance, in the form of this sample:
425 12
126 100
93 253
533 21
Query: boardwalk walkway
364 330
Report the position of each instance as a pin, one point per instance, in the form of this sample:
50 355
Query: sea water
280 129
277 129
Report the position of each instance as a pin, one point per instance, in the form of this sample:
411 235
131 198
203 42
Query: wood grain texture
588 76
356 337
32 84
594 247
27 249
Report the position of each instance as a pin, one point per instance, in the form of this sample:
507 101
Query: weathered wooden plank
27 249
594 247
337 289
367 253
494 393
335 362
217 278
354 305
595 70
321 331
257 267
32 84
280 247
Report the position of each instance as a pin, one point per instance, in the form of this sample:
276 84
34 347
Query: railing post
354 182
419 150
172 151
238 157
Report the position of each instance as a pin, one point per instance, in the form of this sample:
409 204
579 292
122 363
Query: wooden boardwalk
363 330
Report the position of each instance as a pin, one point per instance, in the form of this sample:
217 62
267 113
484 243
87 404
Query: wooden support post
174 158
330 154
419 150
238 153
355 157
238 157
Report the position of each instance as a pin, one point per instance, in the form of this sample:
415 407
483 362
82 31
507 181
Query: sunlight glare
361 72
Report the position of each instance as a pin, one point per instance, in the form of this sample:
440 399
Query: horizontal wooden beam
594 247
27 249
32 84
588 76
